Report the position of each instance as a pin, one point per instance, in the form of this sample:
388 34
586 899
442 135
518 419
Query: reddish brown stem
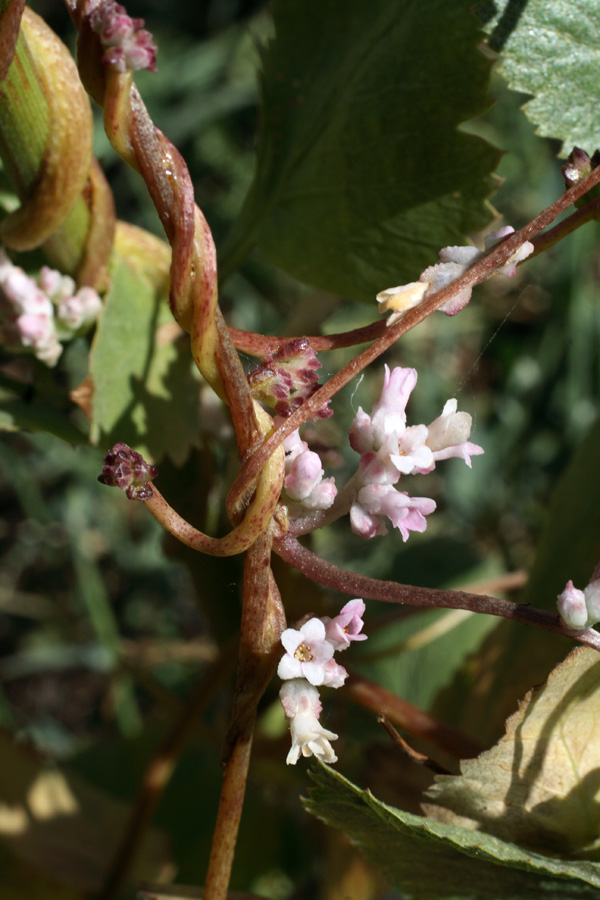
229 815
261 345
325 573
588 212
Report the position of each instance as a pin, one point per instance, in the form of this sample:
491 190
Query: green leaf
146 390
362 173
540 784
430 860
551 49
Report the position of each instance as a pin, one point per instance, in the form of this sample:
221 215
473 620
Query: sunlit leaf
362 174
540 785
145 390
551 49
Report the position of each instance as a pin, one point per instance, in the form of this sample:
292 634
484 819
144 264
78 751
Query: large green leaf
540 784
145 390
430 860
362 173
551 49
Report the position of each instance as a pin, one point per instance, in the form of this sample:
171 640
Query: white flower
301 704
308 651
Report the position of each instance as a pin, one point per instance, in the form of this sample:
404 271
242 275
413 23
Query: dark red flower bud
128 470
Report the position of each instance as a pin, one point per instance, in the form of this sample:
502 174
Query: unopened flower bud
580 610
572 608
128 46
579 166
128 470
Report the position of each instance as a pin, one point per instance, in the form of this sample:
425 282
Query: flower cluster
307 664
38 315
127 45
390 449
454 262
578 609
304 483
128 470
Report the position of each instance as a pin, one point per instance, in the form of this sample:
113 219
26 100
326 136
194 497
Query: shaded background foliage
107 626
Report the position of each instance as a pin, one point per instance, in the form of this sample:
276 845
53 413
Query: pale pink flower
302 706
304 482
38 315
79 312
346 626
307 652
375 503
399 450
293 444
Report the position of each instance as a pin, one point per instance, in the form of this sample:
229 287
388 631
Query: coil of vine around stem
194 302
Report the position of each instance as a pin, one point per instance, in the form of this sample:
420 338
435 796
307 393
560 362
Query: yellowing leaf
539 786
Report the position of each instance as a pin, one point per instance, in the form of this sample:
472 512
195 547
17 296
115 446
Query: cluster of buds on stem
580 610
36 315
454 262
307 664
127 46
